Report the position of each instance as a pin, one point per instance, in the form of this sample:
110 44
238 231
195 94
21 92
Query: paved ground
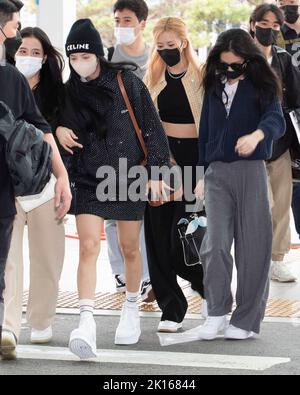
105 281
276 352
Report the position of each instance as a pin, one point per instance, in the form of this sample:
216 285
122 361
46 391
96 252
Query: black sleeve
203 131
292 84
31 113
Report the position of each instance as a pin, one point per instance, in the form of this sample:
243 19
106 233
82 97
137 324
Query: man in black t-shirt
16 94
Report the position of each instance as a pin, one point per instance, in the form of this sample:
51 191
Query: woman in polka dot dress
97 130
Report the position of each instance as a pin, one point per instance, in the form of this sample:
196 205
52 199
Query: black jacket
16 94
289 75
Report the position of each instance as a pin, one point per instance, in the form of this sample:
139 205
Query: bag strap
131 113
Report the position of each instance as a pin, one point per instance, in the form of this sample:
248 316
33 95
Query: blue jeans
115 255
296 206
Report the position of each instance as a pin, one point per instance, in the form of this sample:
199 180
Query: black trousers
296 206
164 249
6 228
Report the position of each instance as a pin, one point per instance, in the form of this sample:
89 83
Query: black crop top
173 104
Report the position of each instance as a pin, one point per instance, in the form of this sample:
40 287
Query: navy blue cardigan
219 133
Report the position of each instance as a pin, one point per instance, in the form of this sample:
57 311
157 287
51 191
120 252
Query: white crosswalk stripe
233 362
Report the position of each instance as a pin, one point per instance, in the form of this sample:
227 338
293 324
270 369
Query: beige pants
281 189
46 249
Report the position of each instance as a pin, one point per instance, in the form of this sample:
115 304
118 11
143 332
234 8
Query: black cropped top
173 104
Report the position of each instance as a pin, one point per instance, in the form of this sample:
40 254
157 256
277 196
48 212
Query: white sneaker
281 273
169 326
83 341
234 333
129 328
204 312
8 346
41 337
212 327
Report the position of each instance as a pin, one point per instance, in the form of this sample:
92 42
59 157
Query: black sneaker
120 285
147 293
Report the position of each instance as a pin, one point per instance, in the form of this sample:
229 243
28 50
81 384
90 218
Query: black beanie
84 37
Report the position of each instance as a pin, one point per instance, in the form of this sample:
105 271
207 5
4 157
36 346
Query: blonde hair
156 65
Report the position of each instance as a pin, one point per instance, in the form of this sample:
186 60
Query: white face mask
85 68
29 65
125 35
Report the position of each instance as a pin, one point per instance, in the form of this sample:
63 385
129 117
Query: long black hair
50 84
258 70
261 10
89 105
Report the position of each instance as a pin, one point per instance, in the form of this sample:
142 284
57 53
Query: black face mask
238 70
13 44
291 13
266 37
170 56
232 75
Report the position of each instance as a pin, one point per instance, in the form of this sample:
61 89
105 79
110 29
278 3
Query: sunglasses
234 66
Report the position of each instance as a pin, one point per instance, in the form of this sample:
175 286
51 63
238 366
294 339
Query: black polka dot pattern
120 142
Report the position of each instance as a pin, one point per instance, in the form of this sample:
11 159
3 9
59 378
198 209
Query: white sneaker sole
169 330
82 349
235 337
280 280
213 336
127 341
210 337
121 290
41 341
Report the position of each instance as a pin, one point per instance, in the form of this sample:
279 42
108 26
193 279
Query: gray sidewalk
275 352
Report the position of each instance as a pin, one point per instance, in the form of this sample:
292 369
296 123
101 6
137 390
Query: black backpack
28 156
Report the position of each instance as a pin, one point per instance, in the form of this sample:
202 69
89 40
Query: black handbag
191 232
295 156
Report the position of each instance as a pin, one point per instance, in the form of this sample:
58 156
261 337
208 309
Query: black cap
84 37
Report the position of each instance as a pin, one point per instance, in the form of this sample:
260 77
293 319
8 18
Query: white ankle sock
131 298
86 310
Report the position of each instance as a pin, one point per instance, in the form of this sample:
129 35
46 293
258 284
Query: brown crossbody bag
176 195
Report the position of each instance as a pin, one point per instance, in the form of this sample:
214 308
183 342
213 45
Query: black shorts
85 202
